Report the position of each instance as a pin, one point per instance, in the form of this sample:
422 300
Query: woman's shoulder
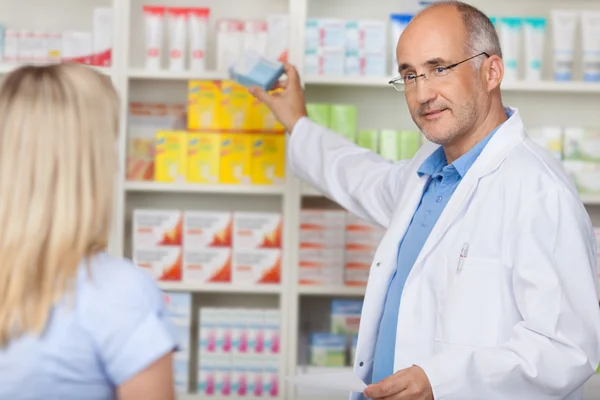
122 309
114 280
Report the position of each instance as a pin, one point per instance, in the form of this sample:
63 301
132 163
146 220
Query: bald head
480 33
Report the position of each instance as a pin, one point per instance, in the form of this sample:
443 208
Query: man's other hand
407 384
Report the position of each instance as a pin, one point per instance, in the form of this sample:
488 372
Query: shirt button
360 364
438 199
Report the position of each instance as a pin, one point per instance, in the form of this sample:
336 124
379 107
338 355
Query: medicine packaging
251 69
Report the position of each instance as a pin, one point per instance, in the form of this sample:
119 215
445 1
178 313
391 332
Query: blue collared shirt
444 180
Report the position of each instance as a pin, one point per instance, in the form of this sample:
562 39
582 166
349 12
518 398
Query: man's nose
423 91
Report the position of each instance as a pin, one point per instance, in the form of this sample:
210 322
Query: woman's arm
153 383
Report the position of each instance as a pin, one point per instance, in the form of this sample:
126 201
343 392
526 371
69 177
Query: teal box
345 316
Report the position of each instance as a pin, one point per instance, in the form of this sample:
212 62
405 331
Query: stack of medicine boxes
157 240
321 258
232 138
361 241
238 352
330 349
339 47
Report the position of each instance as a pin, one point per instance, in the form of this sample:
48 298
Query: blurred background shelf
132 186
7 68
136 73
344 80
332 291
219 288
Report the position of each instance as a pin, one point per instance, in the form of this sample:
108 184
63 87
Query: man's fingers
261 95
282 84
386 388
291 72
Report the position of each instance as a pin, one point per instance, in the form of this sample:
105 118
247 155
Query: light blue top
444 180
115 328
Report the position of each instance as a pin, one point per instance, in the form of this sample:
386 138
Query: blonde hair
58 158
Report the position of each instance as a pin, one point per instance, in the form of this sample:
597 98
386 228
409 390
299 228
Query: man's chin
436 137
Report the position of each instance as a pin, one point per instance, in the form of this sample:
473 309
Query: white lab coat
521 320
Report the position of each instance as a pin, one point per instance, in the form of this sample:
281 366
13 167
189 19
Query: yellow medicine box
268 159
235 110
203 157
263 119
236 152
170 156
204 98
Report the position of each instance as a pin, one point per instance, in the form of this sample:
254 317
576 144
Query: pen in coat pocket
463 256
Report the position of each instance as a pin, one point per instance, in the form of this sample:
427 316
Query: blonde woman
75 323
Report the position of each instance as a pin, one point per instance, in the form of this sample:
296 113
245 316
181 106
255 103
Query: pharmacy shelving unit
378 104
139 84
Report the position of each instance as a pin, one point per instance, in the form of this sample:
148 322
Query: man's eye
410 78
440 70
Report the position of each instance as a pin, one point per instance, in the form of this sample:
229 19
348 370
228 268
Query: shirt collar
436 162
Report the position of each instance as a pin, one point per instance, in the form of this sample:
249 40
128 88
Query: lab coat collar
506 138
436 161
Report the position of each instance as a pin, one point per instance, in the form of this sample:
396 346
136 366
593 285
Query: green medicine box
327 350
368 139
390 144
343 120
410 142
320 113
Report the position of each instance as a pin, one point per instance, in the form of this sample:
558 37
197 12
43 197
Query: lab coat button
378 264
361 364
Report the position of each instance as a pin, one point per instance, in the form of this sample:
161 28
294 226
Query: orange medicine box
207 265
157 228
257 230
207 229
262 266
162 262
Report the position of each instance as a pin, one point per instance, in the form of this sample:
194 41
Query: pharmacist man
484 286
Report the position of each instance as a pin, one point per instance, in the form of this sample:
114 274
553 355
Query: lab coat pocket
470 311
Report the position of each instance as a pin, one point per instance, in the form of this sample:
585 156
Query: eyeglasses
410 80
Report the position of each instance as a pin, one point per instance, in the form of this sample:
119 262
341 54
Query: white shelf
552 87
193 396
343 80
137 73
132 186
590 200
309 191
7 68
325 290
219 288
518 86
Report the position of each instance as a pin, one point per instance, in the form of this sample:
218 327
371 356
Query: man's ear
493 70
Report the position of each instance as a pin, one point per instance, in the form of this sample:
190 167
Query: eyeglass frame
424 75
